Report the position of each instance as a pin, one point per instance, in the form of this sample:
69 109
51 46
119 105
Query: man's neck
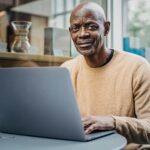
100 59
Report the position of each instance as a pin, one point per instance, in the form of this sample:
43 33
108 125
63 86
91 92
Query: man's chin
85 52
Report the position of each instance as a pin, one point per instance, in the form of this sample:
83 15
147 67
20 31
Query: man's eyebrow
90 23
85 24
75 24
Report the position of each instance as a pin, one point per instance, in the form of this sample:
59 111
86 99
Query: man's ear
107 27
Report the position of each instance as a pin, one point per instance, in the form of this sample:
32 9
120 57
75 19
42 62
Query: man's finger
91 128
87 123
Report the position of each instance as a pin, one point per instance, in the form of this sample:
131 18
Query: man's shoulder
72 63
132 62
130 57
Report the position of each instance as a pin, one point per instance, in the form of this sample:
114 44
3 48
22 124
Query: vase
21 42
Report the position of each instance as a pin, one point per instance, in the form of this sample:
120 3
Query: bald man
112 87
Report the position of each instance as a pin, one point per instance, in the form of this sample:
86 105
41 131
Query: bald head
88 7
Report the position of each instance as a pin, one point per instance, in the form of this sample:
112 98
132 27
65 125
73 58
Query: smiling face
87 29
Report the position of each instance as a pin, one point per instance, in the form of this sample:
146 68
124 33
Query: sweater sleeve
137 130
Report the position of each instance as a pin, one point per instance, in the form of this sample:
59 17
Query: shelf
20 59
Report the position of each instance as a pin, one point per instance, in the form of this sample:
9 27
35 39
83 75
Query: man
112 87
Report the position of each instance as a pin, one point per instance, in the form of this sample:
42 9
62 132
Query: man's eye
74 28
92 27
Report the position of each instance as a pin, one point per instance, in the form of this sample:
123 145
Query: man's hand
98 123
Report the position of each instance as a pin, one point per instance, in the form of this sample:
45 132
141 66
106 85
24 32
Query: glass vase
21 42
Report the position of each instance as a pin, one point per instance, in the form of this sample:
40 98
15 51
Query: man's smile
85 43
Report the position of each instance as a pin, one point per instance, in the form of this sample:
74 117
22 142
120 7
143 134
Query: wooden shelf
28 60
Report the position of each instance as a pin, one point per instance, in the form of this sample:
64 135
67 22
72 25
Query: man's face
87 32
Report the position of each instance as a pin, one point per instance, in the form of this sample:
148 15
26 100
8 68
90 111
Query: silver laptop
41 102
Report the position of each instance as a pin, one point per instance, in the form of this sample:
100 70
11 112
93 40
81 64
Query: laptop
41 102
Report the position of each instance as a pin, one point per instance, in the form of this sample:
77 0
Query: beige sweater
121 89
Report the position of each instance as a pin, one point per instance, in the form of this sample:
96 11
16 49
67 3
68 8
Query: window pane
69 5
59 6
67 20
59 21
136 27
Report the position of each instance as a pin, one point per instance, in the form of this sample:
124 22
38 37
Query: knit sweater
121 88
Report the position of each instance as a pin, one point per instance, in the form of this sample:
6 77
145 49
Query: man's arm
138 129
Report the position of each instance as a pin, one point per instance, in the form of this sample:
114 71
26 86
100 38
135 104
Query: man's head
88 26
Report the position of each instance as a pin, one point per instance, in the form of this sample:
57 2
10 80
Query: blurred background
48 35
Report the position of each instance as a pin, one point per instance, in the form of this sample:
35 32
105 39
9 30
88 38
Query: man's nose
83 32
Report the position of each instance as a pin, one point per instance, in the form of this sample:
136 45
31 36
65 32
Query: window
62 12
136 27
